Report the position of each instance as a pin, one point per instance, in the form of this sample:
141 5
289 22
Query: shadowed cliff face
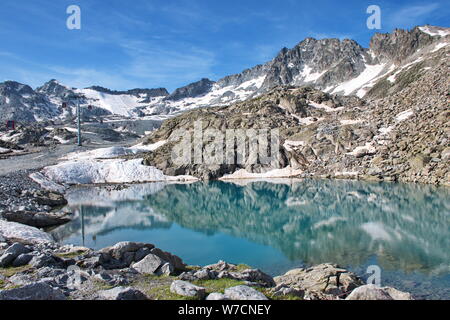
404 226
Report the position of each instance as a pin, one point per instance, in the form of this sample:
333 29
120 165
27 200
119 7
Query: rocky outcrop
53 272
322 282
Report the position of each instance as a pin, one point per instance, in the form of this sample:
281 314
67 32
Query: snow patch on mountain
434 31
370 73
116 104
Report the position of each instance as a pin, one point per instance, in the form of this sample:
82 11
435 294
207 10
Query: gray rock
244 293
166 269
141 253
37 291
6 259
73 279
284 290
325 281
216 296
204 274
373 292
25 234
111 279
187 289
47 272
175 261
250 275
187 276
38 219
22 260
21 279
45 260
17 249
149 265
121 293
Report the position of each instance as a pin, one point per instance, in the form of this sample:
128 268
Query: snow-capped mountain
331 65
124 103
21 103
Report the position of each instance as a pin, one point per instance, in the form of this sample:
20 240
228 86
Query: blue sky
157 43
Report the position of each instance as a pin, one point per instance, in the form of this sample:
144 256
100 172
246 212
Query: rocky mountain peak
399 44
192 90
13 87
54 88
311 59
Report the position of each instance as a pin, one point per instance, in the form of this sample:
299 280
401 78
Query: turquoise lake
276 226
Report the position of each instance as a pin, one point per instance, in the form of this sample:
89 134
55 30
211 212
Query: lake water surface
404 229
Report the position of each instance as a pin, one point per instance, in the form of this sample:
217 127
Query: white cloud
410 16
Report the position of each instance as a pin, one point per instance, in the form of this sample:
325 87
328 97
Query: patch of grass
242 267
70 255
193 268
158 287
101 285
9 272
218 285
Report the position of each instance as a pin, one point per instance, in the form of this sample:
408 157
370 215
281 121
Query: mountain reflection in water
402 228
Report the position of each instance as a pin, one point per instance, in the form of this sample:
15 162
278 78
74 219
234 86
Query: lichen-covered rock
187 289
122 293
36 291
325 281
373 292
244 293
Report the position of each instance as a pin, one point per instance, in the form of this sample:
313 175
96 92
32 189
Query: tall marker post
79 123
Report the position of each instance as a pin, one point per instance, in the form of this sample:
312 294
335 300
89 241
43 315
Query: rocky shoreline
24 201
33 267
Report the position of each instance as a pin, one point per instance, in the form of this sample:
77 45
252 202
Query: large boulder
187 289
12 253
38 219
13 231
121 293
244 293
36 291
122 254
325 281
373 292
149 265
